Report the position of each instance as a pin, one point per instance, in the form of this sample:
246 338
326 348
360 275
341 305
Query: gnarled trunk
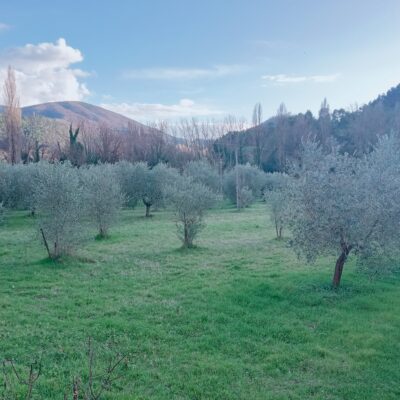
148 205
337 276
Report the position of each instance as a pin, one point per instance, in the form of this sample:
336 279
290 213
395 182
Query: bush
60 206
190 200
102 195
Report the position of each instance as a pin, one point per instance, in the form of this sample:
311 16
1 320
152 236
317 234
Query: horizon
194 63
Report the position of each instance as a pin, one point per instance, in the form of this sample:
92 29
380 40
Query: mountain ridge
76 112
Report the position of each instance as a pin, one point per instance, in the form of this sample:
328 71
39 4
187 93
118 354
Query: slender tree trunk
45 242
186 238
147 209
337 276
238 205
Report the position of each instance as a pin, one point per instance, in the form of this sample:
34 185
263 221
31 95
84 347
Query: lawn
238 317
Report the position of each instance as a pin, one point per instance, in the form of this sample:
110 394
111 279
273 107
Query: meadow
237 317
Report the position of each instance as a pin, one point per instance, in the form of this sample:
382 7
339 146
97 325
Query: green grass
238 317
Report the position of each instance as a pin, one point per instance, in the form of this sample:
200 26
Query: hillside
273 143
76 112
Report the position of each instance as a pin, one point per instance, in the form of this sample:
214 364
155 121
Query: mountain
76 111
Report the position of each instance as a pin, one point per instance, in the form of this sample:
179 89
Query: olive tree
153 183
276 196
103 196
341 204
190 200
16 185
130 177
244 184
60 207
141 183
203 172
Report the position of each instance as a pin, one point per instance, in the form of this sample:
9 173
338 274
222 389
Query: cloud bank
149 111
44 73
182 73
287 79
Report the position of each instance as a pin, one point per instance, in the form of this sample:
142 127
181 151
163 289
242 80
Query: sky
171 59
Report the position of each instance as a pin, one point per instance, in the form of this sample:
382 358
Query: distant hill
77 111
273 143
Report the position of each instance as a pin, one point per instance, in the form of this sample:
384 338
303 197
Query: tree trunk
337 276
148 209
45 242
238 205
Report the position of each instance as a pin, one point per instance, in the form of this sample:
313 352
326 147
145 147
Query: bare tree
13 125
324 122
258 134
281 130
108 144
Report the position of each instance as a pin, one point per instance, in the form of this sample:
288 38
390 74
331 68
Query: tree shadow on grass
73 261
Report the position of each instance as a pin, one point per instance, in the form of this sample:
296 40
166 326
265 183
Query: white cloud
183 73
44 73
286 79
151 111
4 27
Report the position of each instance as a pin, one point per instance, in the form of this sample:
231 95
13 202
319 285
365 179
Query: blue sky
171 59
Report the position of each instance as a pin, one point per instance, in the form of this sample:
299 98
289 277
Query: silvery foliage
17 184
103 196
276 197
140 183
190 200
130 177
203 172
340 203
157 180
60 207
152 184
251 182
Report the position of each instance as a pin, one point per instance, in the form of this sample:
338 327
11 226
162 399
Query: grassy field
239 317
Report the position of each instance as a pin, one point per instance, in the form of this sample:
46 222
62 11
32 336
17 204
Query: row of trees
65 199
